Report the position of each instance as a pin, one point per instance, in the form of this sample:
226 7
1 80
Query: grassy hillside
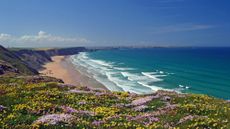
9 58
40 102
36 58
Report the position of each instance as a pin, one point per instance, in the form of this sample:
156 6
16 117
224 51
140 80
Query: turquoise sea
144 70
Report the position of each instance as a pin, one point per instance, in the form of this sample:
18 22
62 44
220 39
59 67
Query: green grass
13 60
155 104
25 103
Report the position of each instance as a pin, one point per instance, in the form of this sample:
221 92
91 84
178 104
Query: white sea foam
154 88
130 76
181 86
110 85
123 69
115 77
150 75
184 87
161 72
126 85
100 62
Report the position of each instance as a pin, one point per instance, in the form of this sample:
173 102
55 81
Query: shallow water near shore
186 70
63 69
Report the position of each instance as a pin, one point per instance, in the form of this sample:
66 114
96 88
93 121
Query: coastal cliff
29 61
32 101
35 58
12 63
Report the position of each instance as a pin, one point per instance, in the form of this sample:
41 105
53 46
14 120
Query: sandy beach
61 68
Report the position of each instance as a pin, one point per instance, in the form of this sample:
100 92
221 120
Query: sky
67 23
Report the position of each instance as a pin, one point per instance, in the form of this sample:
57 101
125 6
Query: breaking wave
118 78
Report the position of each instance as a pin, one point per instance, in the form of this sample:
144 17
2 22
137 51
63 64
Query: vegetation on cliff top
42 102
9 59
28 60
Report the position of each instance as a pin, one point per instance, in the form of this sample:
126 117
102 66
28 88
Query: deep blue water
196 70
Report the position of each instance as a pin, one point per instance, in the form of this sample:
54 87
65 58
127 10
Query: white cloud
5 37
42 38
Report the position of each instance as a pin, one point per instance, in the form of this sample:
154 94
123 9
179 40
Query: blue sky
65 23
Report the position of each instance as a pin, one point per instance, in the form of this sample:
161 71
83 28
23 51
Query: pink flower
140 108
98 123
82 103
68 109
84 112
53 119
143 100
99 93
145 119
72 110
80 91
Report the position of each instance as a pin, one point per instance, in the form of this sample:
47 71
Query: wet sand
63 69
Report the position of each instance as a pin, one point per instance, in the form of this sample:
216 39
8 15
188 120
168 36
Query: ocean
145 70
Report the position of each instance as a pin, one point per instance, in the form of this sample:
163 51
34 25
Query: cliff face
6 68
11 63
66 51
34 59
37 58
28 61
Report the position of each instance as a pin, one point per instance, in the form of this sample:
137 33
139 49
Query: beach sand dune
63 69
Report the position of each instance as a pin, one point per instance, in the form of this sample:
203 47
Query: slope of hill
28 102
9 59
45 102
6 68
35 58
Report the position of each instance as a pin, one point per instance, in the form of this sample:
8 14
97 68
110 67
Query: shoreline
62 68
